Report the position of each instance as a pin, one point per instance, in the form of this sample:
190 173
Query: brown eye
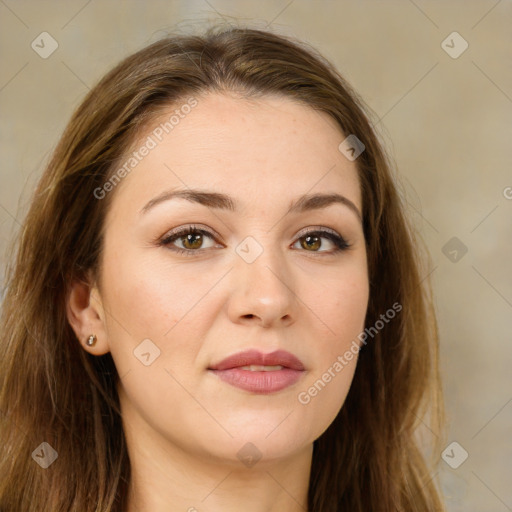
189 240
192 241
322 242
311 242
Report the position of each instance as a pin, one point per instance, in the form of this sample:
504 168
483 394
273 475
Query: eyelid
183 230
317 229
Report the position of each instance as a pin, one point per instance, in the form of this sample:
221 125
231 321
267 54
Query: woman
216 302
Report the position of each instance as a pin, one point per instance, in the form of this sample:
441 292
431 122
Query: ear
86 315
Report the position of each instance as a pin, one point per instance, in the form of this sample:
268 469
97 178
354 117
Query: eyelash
339 242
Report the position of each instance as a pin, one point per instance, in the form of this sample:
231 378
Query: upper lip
254 357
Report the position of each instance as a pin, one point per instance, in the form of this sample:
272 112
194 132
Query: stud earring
91 340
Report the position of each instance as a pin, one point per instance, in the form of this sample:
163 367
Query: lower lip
259 382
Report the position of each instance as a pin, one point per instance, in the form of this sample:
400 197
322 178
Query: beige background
446 121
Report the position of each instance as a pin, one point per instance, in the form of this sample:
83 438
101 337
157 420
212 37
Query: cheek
150 294
148 298
342 303
343 308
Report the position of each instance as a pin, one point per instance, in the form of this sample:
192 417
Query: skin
183 425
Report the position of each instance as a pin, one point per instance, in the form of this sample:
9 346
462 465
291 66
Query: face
241 258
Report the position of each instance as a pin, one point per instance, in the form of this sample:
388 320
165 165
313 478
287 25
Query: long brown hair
370 458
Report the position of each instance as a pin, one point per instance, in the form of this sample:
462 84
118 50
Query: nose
263 292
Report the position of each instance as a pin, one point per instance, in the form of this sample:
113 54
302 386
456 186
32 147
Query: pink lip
260 381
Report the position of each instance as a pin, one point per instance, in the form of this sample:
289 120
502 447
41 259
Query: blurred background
437 76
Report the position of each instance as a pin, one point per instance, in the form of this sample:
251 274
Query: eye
192 240
321 240
189 239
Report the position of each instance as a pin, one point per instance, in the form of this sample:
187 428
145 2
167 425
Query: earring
91 340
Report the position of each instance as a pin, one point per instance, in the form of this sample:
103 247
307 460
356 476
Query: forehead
269 148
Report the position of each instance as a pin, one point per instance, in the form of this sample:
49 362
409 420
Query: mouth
259 373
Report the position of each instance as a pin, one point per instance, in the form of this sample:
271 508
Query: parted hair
371 458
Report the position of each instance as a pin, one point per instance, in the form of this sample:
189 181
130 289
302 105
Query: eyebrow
217 200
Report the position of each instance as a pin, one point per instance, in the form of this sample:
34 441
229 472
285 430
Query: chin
257 441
